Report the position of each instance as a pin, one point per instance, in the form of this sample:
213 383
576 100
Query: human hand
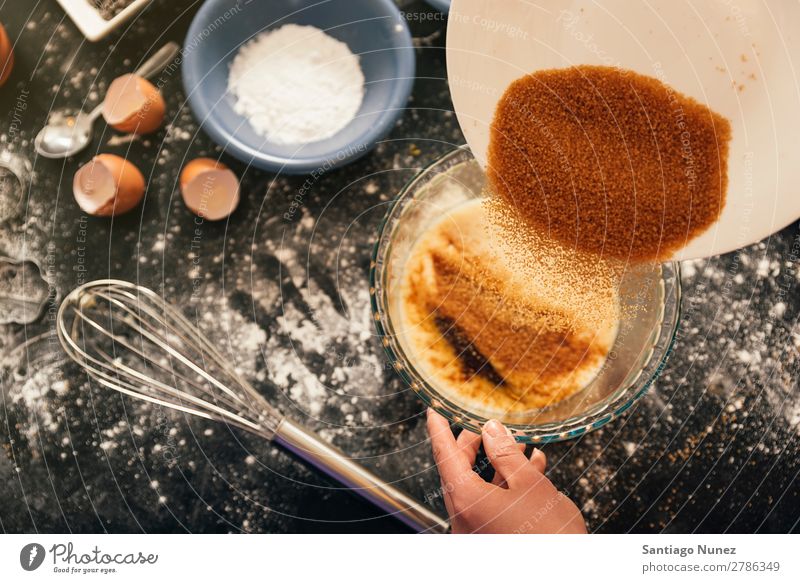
520 499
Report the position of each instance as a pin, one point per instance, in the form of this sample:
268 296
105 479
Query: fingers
509 462
469 443
497 479
539 460
453 465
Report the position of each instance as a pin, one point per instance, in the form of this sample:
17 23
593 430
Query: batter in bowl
492 327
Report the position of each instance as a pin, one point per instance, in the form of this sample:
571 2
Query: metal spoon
66 134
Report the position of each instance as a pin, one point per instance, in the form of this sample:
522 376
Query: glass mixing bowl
640 350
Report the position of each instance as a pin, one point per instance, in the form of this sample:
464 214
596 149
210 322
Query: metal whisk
131 340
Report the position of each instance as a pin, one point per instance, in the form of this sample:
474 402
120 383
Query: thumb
505 455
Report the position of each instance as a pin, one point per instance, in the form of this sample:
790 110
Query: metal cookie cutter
23 291
15 179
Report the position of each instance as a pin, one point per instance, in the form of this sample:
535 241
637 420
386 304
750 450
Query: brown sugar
608 161
487 330
530 346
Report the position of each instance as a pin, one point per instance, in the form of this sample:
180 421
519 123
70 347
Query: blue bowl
372 29
440 5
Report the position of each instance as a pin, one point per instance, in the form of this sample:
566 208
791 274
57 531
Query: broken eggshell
209 188
133 105
108 185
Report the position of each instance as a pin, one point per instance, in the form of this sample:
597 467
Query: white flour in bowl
296 84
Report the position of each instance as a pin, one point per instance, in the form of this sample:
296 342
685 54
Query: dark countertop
712 448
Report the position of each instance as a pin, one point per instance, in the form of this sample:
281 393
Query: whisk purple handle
335 464
153 352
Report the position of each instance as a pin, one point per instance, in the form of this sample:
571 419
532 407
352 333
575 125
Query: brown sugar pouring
608 161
